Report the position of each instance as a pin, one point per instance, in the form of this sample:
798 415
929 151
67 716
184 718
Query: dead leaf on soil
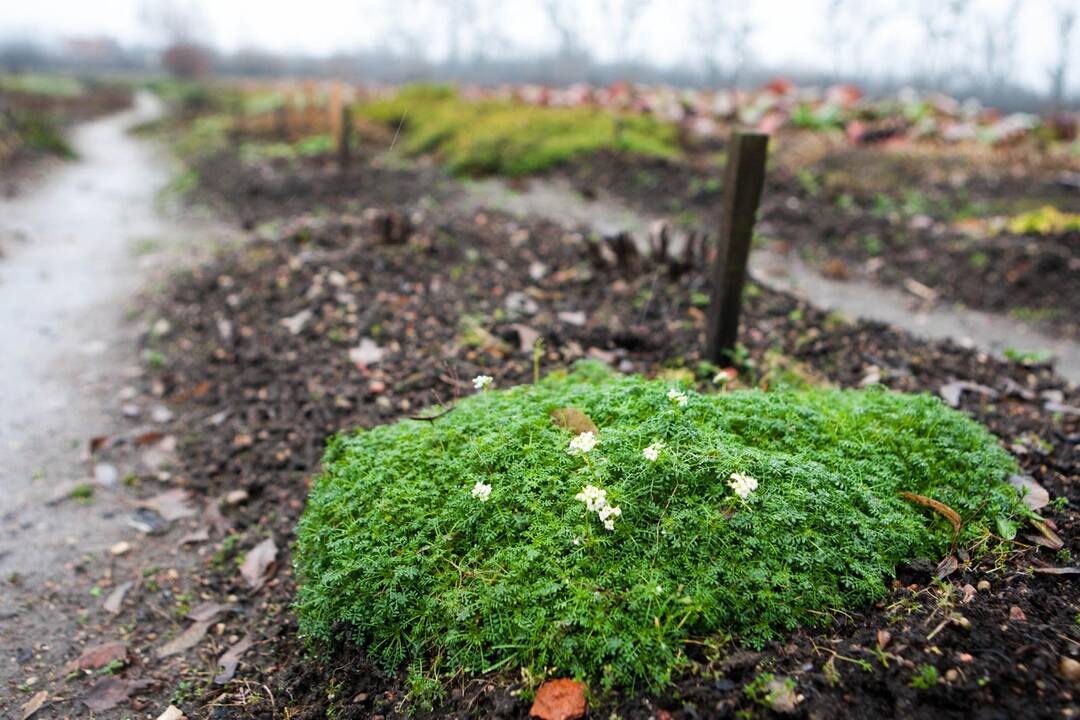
1047 537
946 567
148 438
951 391
941 508
527 337
34 704
561 699
231 659
213 517
367 353
116 598
185 640
574 420
1057 570
111 691
259 563
207 611
171 504
172 713
1033 494
195 537
98 656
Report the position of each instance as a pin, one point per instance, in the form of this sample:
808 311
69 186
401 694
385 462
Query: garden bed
255 403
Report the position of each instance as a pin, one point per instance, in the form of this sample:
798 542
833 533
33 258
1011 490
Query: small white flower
743 485
723 377
678 397
609 511
577 541
594 498
583 443
652 452
481 382
481 491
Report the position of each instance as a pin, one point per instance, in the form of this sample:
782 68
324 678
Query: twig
432 418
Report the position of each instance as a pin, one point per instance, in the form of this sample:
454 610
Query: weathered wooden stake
345 138
743 181
335 114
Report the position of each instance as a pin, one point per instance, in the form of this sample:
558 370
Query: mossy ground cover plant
495 539
509 138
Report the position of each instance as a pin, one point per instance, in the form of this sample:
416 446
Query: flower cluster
652 452
481 382
743 485
678 397
481 491
583 443
595 500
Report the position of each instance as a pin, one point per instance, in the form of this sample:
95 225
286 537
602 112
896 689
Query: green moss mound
395 544
510 138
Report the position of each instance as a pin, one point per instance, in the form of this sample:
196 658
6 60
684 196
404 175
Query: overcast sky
784 32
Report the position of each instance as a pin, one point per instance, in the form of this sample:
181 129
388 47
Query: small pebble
235 497
1069 669
121 548
983 586
1017 615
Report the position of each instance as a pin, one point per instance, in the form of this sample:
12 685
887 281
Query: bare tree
850 26
625 16
563 16
999 48
1066 15
722 30
942 23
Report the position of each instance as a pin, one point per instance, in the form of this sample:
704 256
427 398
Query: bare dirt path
79 246
856 299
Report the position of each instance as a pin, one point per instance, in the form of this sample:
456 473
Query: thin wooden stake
743 181
345 138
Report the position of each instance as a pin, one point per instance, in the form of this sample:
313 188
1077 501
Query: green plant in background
510 138
1046 220
493 537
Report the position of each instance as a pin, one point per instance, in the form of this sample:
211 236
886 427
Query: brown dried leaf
171 504
34 704
1033 494
111 691
259 563
1047 537
1057 570
185 640
561 699
573 420
207 611
116 597
941 508
231 659
98 656
946 567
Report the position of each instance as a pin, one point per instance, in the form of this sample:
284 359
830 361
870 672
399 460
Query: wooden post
281 114
335 115
345 138
743 181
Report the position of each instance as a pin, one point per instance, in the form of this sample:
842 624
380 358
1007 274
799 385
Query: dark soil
254 403
889 216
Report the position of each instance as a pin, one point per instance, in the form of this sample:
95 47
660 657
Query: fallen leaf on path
148 438
576 318
207 611
527 337
941 508
561 699
116 598
97 442
919 290
213 517
98 656
185 640
34 704
171 504
1017 615
1033 494
573 420
172 713
367 353
111 691
259 563
231 659
195 537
